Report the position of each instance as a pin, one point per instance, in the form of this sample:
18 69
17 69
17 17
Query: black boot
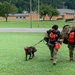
54 63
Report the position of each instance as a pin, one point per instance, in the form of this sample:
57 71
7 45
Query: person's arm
59 38
46 38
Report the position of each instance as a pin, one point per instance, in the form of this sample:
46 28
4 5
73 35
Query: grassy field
26 24
12 57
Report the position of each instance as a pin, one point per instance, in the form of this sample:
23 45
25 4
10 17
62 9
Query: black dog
30 51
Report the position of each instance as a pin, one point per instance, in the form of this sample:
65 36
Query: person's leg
71 49
51 52
55 56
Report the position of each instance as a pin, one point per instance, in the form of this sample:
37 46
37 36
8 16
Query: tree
44 10
48 10
70 4
53 12
1 11
6 9
25 4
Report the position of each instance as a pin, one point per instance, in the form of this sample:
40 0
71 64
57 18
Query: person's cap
55 27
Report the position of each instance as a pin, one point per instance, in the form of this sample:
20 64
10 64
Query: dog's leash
38 42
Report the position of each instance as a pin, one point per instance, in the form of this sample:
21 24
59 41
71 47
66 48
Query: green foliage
55 12
48 10
6 9
43 10
24 5
1 9
13 9
70 4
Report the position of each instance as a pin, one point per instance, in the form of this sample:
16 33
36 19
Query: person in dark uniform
68 36
53 39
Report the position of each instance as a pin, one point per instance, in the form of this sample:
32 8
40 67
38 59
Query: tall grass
12 57
35 24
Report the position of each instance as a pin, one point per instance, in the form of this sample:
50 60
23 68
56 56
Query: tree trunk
50 18
6 18
43 18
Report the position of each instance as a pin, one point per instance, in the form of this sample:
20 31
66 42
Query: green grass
12 57
26 24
